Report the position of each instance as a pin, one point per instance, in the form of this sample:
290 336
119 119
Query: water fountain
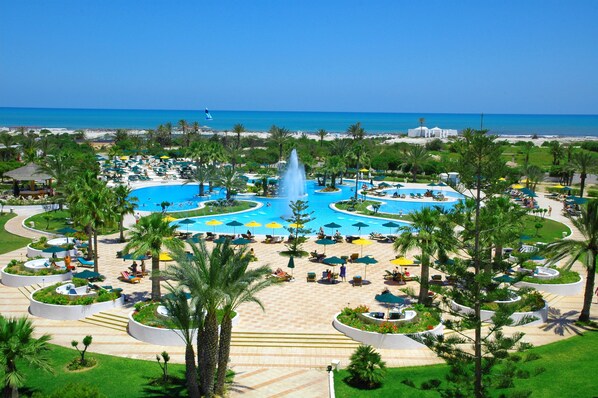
293 180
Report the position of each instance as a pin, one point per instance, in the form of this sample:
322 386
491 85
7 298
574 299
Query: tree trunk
95 251
424 281
201 188
156 294
498 253
478 386
588 292
414 172
582 177
90 247
191 372
211 354
223 353
121 228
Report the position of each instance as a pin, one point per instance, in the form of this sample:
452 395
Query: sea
333 122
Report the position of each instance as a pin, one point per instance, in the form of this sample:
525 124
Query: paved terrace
282 351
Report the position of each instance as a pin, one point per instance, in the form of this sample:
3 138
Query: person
248 233
133 268
337 234
329 275
137 217
385 290
252 254
395 195
67 262
321 231
268 204
343 273
549 211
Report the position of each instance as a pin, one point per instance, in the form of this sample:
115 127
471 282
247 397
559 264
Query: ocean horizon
333 122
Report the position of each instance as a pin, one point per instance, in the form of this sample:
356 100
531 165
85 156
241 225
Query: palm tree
279 135
17 346
534 175
322 133
238 129
527 149
557 152
151 235
432 233
585 249
367 369
503 223
201 174
183 125
123 205
183 316
241 285
356 132
230 180
415 156
421 125
584 163
334 165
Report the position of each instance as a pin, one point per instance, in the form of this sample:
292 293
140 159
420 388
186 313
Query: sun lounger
210 236
357 281
281 275
125 277
311 276
278 239
84 263
269 239
354 256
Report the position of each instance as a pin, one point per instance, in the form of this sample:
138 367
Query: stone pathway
282 351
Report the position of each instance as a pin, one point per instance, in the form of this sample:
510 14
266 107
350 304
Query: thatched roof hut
30 172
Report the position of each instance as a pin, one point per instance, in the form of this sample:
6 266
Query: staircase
292 340
108 320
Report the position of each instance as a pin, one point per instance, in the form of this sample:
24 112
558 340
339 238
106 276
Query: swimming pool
183 197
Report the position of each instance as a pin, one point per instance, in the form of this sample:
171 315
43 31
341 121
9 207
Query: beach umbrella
241 241
165 256
54 249
131 256
389 298
164 157
360 225
187 222
124 158
325 242
384 185
502 179
274 225
390 225
362 242
504 279
528 192
448 261
399 186
214 223
196 238
234 224
253 224
83 245
332 225
402 261
432 184
291 264
334 260
558 186
65 231
220 240
367 260
169 219
566 188
379 178
364 170
577 200
517 186
87 274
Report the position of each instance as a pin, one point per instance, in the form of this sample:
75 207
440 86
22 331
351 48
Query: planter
161 336
326 192
486 315
31 252
13 280
70 312
394 341
565 289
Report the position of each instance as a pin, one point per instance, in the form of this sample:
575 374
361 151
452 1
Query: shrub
75 390
366 370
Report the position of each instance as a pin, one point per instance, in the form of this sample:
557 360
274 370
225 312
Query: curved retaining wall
380 340
161 336
36 253
485 315
566 289
13 280
70 312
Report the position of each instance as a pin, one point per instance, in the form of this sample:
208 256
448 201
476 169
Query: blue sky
380 56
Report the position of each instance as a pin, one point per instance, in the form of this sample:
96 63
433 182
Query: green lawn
214 211
568 373
550 231
10 242
56 221
114 376
362 208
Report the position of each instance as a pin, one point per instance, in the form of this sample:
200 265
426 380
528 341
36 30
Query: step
101 323
282 344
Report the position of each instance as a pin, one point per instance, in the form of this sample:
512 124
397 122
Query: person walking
549 211
343 273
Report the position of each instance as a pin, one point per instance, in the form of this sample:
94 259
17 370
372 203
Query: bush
73 390
366 370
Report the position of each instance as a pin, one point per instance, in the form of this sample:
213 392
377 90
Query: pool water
184 197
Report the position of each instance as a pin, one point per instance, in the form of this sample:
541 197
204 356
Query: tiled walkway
282 351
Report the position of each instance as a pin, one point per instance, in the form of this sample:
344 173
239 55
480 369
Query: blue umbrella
220 240
367 260
360 225
333 260
234 224
332 225
390 225
187 222
87 274
54 249
241 241
291 264
389 298
325 242
131 256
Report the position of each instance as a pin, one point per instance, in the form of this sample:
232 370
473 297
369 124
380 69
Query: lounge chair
125 277
311 276
354 257
357 281
210 236
84 262
281 275
278 239
269 239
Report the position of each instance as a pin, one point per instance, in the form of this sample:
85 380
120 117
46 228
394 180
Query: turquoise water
575 125
183 197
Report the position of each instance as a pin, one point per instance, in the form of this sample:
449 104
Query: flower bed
35 249
146 324
426 319
568 283
48 303
15 274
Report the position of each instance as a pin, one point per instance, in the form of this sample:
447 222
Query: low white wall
13 280
70 312
379 340
35 253
485 315
566 289
161 336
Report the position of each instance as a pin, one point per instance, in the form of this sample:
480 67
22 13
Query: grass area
215 210
551 230
565 276
362 208
8 241
114 376
54 220
566 364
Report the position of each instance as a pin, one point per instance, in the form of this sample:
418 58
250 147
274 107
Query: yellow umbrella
362 242
294 225
517 186
124 157
502 179
253 224
364 170
165 257
558 186
524 180
213 223
402 261
164 157
273 225
169 219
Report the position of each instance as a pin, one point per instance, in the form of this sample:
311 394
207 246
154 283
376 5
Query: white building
435 132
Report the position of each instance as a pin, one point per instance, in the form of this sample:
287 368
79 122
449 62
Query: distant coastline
506 125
